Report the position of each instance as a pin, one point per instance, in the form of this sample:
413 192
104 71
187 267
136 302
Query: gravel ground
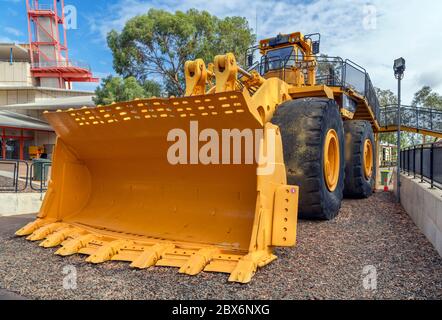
327 263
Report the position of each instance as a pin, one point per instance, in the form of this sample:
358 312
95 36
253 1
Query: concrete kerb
19 203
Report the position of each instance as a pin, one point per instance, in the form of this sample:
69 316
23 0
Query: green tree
426 98
329 70
157 44
386 98
118 89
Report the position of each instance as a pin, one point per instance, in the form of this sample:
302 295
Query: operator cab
290 57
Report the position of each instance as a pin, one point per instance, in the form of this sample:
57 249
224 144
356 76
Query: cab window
278 58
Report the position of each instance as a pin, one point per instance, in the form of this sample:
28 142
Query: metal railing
11 175
414 117
18 176
425 162
42 184
330 71
62 64
41 6
14 60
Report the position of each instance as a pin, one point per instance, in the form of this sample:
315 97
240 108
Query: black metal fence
22 176
414 117
39 175
425 162
13 175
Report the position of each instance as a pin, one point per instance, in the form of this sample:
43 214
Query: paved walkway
8 295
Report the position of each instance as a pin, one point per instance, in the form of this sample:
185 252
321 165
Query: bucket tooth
246 267
31 227
57 237
44 231
198 261
150 256
107 251
75 245
266 260
244 271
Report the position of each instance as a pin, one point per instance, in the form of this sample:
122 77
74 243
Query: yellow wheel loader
213 181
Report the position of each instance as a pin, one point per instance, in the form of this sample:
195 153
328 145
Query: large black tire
356 183
304 124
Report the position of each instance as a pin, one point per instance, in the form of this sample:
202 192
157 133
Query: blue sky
371 33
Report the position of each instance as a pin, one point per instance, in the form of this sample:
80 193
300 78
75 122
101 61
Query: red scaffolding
46 29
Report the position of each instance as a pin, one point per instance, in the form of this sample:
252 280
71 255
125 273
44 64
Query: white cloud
13 31
411 29
7 40
12 12
124 9
432 78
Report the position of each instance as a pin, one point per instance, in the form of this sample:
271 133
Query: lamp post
399 68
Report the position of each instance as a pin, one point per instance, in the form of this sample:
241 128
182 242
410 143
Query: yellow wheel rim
368 159
331 160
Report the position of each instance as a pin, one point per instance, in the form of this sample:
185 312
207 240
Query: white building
23 99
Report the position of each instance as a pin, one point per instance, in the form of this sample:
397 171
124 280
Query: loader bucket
118 193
